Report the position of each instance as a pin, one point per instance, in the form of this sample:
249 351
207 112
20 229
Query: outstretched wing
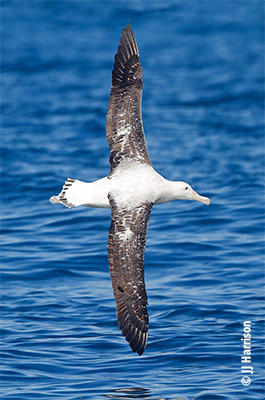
126 247
124 127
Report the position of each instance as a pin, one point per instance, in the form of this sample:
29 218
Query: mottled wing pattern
124 127
126 247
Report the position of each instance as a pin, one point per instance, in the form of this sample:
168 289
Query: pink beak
202 199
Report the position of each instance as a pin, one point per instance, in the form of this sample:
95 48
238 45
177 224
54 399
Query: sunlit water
203 117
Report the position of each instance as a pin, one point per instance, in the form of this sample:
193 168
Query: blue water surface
203 106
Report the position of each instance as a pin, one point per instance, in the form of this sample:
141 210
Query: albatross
130 190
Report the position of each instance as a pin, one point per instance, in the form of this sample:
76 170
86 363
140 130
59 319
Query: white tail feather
71 195
67 196
78 193
54 200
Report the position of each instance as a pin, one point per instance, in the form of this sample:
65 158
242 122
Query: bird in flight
130 190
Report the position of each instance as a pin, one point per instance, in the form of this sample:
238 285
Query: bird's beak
196 196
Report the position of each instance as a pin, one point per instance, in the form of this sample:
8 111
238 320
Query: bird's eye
186 188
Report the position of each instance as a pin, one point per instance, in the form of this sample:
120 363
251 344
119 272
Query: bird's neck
171 191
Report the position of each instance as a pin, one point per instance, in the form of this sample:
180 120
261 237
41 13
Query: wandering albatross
130 191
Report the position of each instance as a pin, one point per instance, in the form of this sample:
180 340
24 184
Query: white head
183 191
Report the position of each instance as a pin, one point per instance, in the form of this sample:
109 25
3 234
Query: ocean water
203 105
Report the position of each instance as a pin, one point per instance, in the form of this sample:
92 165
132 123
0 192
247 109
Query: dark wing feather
124 127
126 247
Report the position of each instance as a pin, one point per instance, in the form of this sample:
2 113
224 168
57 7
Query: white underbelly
136 185
130 186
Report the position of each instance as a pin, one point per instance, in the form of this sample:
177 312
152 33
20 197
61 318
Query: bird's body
131 189
139 183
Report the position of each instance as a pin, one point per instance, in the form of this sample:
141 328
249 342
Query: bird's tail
69 195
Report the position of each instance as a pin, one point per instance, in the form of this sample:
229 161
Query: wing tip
136 337
127 67
138 345
133 327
